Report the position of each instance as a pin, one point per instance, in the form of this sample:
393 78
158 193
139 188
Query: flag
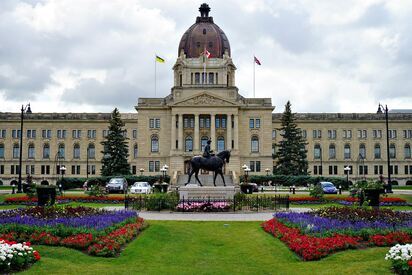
206 53
257 61
159 59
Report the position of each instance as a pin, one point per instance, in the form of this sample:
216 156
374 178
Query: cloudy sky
94 55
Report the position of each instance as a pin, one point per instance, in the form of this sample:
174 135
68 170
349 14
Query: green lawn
171 247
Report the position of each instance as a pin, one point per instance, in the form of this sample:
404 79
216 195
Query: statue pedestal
193 192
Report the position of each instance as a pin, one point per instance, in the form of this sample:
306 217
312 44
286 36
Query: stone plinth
192 191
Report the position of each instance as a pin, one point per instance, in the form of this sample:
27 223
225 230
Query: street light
267 170
24 109
385 109
246 169
347 170
62 170
141 171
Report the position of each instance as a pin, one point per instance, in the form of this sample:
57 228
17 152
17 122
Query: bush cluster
286 180
70 183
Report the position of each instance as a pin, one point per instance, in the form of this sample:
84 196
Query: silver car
141 188
117 185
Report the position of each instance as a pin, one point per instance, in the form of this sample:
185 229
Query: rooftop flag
159 59
206 53
257 61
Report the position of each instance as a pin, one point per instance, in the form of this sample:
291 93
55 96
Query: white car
141 188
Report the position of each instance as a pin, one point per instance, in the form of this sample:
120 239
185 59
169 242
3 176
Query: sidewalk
190 216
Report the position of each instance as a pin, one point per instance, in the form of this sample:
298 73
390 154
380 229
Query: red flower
36 255
410 264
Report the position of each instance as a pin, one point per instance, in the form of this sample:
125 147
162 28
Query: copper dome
204 34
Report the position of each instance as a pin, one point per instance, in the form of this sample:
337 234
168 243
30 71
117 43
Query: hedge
70 183
286 180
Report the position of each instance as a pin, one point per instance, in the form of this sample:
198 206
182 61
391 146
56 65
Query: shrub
316 191
286 180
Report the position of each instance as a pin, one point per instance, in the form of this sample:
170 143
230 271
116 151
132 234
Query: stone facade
204 103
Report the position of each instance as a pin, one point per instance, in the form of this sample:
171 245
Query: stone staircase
206 180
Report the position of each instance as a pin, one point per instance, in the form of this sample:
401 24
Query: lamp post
347 170
141 171
267 170
24 109
385 109
62 171
321 162
87 162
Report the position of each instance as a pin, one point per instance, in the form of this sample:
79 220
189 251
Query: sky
93 55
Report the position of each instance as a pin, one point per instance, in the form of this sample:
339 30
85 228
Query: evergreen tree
292 154
115 152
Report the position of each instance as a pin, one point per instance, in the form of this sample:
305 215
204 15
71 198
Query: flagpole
204 66
254 76
155 74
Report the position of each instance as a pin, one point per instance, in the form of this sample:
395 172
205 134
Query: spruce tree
115 152
292 154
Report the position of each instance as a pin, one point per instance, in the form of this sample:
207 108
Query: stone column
236 132
196 140
229 132
180 133
213 131
173 140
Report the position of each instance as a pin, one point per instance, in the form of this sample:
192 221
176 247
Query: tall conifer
291 153
115 152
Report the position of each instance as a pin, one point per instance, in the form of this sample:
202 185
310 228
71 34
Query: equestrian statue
209 162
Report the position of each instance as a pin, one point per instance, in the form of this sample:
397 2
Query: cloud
329 56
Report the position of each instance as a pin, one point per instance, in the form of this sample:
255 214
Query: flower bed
66 199
384 201
203 206
401 258
16 256
76 227
313 235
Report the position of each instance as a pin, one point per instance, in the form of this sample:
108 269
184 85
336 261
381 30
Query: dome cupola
204 34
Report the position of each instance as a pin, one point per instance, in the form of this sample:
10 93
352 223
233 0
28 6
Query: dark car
116 185
328 187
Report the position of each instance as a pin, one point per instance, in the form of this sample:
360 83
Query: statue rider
207 152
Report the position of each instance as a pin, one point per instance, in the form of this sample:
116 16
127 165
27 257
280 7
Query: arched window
154 144
362 151
31 152
221 144
188 144
406 149
346 151
46 151
61 152
392 151
332 151
317 151
254 144
135 151
76 151
91 151
16 151
1 151
203 143
377 151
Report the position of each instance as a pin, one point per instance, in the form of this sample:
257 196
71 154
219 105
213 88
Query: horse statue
214 163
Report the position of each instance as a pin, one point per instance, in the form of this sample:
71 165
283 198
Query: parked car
328 187
118 185
141 188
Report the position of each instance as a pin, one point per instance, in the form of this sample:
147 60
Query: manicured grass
172 247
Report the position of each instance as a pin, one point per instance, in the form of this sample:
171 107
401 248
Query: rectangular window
273 134
362 134
332 134
157 166
46 133
377 133
315 170
392 133
15 133
217 122
91 134
3 133
197 78
407 134
317 133
251 123
76 133
30 133
134 133
304 134
257 166
134 170
61 134
1 169
157 123
154 123
151 166
224 122
257 123
252 166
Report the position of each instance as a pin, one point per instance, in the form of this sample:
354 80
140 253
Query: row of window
363 170
46 169
61 133
204 78
317 152
31 151
347 134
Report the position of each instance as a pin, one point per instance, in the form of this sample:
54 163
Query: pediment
205 100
